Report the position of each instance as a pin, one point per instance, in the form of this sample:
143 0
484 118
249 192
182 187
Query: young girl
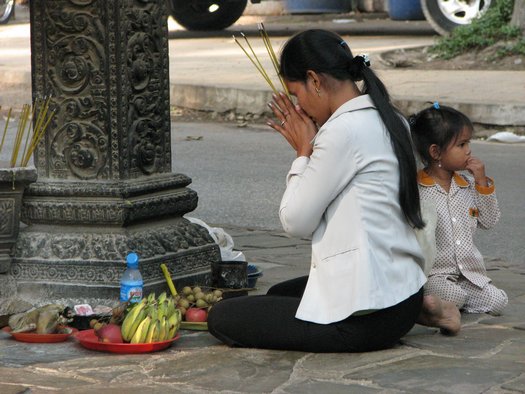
464 201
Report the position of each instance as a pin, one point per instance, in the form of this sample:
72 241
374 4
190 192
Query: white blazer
365 256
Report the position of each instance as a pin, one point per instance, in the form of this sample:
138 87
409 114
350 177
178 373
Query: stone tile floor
487 357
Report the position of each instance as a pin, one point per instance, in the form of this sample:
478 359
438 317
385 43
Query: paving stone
427 374
238 370
18 354
514 314
517 385
474 341
320 386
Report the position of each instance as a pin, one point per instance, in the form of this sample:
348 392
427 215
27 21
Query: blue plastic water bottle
131 283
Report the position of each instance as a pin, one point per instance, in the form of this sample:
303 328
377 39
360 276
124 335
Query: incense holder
13 182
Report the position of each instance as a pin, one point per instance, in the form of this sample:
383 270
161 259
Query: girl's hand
293 123
476 167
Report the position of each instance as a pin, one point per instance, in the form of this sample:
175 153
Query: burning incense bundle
256 62
5 128
40 119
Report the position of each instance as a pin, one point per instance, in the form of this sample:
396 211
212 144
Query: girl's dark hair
441 126
326 53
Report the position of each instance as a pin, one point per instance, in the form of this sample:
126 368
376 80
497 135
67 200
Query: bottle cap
133 260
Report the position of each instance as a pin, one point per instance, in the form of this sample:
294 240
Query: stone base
83 262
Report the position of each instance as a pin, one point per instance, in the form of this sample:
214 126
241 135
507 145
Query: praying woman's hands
293 123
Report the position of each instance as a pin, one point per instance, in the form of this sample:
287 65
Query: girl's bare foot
441 314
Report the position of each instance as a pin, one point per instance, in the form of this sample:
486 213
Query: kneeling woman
353 189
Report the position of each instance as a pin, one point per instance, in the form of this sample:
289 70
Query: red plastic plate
38 338
89 340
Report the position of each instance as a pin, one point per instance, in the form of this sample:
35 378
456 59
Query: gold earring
318 91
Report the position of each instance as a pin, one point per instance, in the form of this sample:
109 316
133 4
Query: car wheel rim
462 12
206 7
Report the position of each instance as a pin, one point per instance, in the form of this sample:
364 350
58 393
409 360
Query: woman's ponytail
402 145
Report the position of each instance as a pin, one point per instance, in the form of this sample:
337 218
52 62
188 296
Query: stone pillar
105 186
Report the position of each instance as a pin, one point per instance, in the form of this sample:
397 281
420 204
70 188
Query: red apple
109 333
196 315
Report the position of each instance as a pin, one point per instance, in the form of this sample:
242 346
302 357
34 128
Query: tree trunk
518 15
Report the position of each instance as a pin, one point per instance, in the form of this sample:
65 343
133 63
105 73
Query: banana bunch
151 320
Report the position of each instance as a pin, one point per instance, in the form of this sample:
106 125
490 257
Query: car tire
196 14
6 11
445 15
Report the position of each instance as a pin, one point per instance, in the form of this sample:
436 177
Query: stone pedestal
13 182
105 186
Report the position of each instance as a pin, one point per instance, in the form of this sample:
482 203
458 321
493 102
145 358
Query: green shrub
492 27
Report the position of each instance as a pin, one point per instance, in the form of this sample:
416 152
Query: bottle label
133 293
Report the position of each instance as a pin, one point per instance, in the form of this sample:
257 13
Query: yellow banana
156 334
162 309
163 329
168 329
142 331
174 323
153 312
132 320
151 297
152 332
170 309
161 297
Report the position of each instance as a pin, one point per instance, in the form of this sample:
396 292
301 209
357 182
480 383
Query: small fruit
184 303
182 310
200 295
98 326
201 303
187 290
196 315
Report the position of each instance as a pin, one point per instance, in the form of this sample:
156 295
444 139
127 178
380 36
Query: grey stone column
105 185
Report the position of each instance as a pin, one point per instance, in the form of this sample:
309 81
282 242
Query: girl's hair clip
412 120
366 59
436 105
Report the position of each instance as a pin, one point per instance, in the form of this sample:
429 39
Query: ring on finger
283 122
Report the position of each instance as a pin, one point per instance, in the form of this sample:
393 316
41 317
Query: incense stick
5 128
19 134
273 56
37 136
256 58
40 120
256 62
29 130
260 69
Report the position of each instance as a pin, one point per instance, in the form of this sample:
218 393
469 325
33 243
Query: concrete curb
255 101
17 86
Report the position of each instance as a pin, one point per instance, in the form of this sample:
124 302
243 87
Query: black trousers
268 322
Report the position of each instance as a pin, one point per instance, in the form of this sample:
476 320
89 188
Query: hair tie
436 105
364 58
357 65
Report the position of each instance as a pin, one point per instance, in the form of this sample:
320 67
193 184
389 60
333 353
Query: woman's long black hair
326 53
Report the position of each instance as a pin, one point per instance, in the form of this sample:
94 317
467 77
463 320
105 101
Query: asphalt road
239 175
